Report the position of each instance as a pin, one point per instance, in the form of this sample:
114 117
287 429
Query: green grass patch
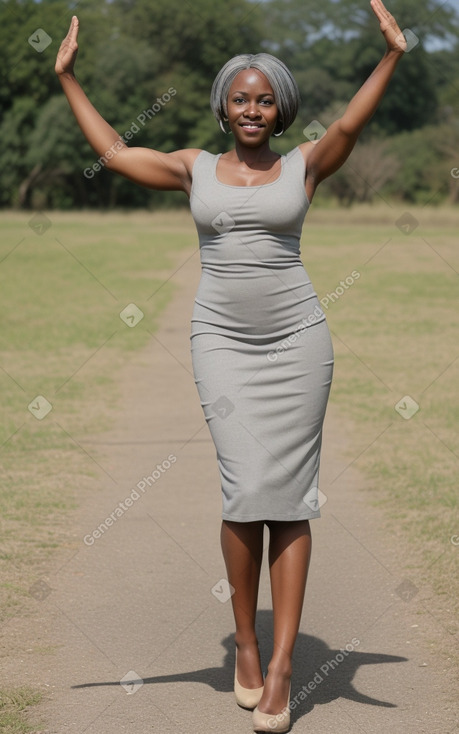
14 704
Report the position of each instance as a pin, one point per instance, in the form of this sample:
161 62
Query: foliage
133 51
365 175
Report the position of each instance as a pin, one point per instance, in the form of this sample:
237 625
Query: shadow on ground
321 674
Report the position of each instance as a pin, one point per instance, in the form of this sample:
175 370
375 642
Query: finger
73 29
380 11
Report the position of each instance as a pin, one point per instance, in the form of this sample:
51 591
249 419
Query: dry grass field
387 279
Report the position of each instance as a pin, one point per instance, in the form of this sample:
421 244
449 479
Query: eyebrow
263 94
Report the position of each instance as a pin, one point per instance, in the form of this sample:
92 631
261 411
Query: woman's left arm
331 151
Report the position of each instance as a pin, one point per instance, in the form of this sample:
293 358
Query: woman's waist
279 309
250 284
252 328
234 255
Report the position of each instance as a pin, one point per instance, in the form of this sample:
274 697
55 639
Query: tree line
148 65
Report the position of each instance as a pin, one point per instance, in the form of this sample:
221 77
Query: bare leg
289 554
242 546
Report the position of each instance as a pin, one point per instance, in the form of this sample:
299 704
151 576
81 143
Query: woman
261 350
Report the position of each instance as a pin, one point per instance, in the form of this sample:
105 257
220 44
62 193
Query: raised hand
394 37
68 50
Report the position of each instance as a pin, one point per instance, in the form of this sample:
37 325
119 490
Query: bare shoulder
187 157
155 169
306 149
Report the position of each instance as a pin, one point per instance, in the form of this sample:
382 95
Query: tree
332 47
362 177
133 51
131 54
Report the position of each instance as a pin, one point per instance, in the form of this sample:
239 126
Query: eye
238 100
267 101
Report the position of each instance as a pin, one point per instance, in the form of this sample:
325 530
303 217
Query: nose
252 110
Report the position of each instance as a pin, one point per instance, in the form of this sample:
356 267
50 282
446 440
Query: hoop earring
277 135
222 126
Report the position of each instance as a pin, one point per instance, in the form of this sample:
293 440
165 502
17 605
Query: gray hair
286 93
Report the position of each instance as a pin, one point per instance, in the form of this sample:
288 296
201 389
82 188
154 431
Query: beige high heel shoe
248 698
272 722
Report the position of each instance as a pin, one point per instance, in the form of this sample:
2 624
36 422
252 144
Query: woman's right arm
150 168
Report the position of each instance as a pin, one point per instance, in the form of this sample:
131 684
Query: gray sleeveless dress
260 345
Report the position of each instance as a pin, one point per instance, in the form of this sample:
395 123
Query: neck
250 156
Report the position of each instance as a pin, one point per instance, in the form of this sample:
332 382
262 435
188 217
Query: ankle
280 668
244 642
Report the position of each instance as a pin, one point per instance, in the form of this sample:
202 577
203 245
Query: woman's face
252 111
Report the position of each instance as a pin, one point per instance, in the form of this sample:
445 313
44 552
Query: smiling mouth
251 125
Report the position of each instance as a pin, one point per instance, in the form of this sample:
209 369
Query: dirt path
144 601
